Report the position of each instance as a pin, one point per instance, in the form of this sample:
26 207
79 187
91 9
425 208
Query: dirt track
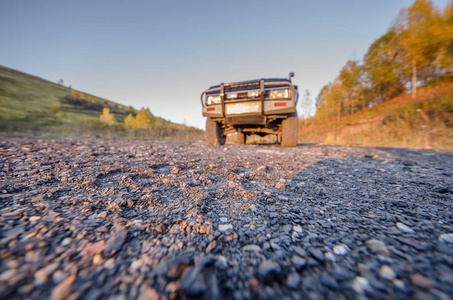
125 219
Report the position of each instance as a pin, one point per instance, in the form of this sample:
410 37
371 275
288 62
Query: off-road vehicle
263 106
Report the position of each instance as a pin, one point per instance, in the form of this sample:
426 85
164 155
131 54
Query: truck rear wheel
214 133
242 138
290 131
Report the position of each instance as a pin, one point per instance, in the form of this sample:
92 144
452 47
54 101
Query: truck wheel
242 138
214 133
290 131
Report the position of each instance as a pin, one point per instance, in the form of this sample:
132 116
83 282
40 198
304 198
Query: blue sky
163 54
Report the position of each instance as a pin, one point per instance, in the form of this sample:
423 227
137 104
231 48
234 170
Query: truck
265 106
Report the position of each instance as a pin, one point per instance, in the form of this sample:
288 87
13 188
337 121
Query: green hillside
30 105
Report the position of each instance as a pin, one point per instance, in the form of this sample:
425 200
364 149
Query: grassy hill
30 105
425 122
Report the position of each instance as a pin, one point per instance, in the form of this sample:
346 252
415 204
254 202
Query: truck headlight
232 95
213 100
279 94
253 94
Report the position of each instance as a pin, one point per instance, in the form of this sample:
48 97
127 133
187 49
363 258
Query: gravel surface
163 220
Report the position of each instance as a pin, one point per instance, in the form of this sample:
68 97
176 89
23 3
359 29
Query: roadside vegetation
32 106
400 94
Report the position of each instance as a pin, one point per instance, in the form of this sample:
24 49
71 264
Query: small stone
223 219
221 262
297 228
136 264
175 229
280 185
441 189
253 208
97 259
66 241
172 287
251 247
317 254
254 284
210 246
275 246
399 284
43 274
193 284
225 227
421 281
34 218
340 249
58 276
283 198
404 228
360 285
262 168
110 263
232 184
115 242
8 274
377 246
102 215
287 228
446 238
299 251
270 271
330 257
293 281
387 273
149 294
62 290
298 262
273 215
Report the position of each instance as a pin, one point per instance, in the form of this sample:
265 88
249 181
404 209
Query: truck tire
214 133
290 131
242 138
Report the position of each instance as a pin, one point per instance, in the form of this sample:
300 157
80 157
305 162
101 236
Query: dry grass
426 122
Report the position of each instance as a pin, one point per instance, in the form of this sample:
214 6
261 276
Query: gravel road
110 219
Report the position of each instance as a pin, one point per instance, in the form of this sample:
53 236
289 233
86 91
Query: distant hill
30 105
424 122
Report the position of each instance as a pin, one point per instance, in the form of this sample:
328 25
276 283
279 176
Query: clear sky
163 54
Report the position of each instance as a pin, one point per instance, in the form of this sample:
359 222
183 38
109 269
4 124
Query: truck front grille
251 85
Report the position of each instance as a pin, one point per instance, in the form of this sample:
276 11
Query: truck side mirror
291 75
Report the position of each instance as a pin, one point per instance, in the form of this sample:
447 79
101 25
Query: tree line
415 51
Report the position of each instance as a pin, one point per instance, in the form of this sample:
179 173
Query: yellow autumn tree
129 122
107 117
144 119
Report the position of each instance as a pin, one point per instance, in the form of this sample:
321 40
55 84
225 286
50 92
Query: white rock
446 238
377 246
225 227
251 247
340 249
66 241
223 219
136 264
399 283
360 285
387 273
404 228
330 257
253 208
297 229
